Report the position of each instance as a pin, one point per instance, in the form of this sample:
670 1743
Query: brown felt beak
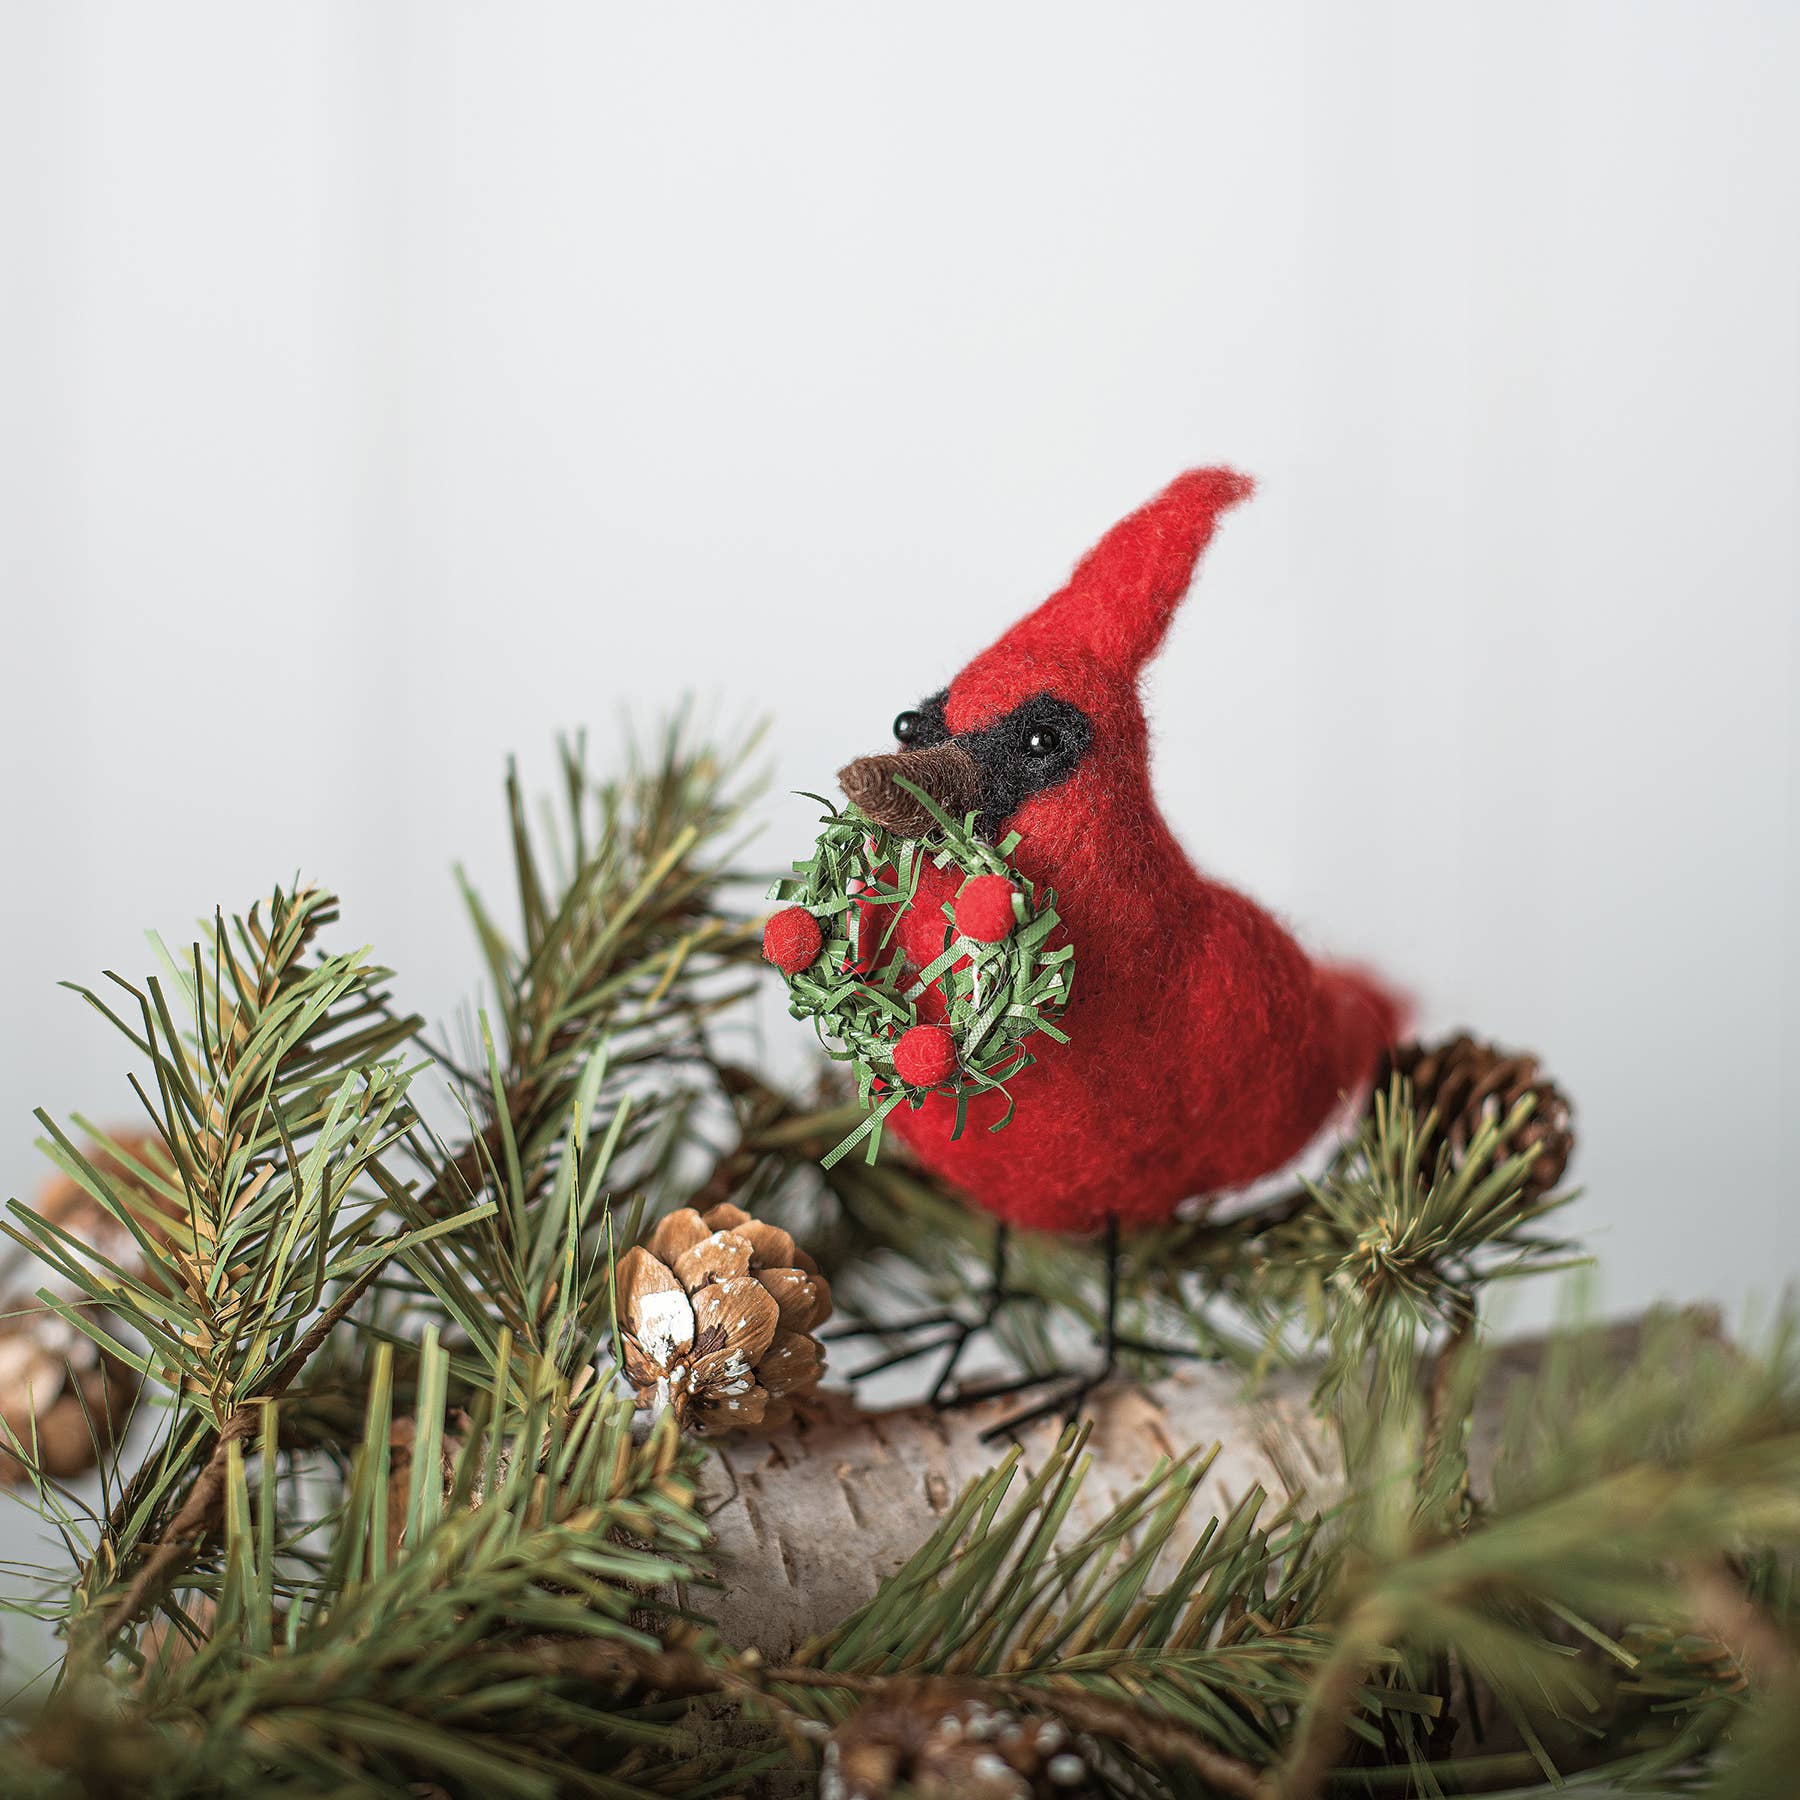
946 772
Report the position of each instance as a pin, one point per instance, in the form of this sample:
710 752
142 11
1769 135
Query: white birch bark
810 1523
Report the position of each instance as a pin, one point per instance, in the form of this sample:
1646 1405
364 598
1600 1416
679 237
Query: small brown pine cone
49 1370
718 1311
63 1387
1467 1083
932 1739
70 1207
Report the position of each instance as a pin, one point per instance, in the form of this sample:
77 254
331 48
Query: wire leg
1171 1352
850 1331
1069 1399
997 1296
951 1331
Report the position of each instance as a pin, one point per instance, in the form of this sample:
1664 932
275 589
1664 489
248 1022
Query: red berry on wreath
792 940
925 1056
984 908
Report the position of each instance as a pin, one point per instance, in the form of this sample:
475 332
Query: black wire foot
942 1394
1067 1401
953 1331
1072 1394
1172 1352
1074 1389
911 1352
847 1332
996 1390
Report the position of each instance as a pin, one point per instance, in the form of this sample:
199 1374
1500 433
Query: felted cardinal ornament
1205 1048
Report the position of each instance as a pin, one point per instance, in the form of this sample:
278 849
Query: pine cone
48 1370
1467 1083
59 1384
718 1311
933 1740
68 1205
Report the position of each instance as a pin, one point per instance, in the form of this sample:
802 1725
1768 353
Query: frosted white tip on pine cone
934 1740
717 1311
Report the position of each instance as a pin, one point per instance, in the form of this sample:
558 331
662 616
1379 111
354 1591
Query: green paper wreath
999 995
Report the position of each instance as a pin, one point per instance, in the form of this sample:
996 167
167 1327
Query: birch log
808 1524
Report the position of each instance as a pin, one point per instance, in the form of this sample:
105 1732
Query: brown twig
1441 1384
196 1513
204 1499
1144 1732
1324 1734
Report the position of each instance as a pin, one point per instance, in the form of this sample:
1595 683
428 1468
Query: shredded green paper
999 996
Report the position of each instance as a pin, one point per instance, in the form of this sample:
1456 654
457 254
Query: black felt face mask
1035 747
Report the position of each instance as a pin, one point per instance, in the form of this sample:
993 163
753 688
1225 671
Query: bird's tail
1368 1018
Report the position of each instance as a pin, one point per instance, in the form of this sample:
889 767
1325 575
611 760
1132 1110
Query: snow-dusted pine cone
933 1741
1467 1083
718 1311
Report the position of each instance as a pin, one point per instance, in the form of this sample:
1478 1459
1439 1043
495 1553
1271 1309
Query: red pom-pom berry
984 908
792 940
925 1056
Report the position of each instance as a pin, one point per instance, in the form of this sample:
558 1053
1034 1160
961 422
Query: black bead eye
908 726
1045 740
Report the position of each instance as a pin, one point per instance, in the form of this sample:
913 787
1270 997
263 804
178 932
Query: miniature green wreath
834 942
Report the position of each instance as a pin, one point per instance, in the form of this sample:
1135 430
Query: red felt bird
1205 1047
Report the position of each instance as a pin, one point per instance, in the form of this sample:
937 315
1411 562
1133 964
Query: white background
385 387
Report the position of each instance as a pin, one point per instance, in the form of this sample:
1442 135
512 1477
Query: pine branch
623 949
1209 1664
418 1659
274 1103
623 958
205 1499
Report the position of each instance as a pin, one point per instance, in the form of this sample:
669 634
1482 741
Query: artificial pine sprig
272 1108
1392 1249
413 1653
1386 1246
625 955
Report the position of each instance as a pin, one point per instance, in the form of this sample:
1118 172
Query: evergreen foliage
379 1529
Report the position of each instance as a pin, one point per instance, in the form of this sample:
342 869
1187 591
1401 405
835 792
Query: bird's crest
1114 611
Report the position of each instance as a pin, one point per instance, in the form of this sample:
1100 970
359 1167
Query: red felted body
1205 1049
